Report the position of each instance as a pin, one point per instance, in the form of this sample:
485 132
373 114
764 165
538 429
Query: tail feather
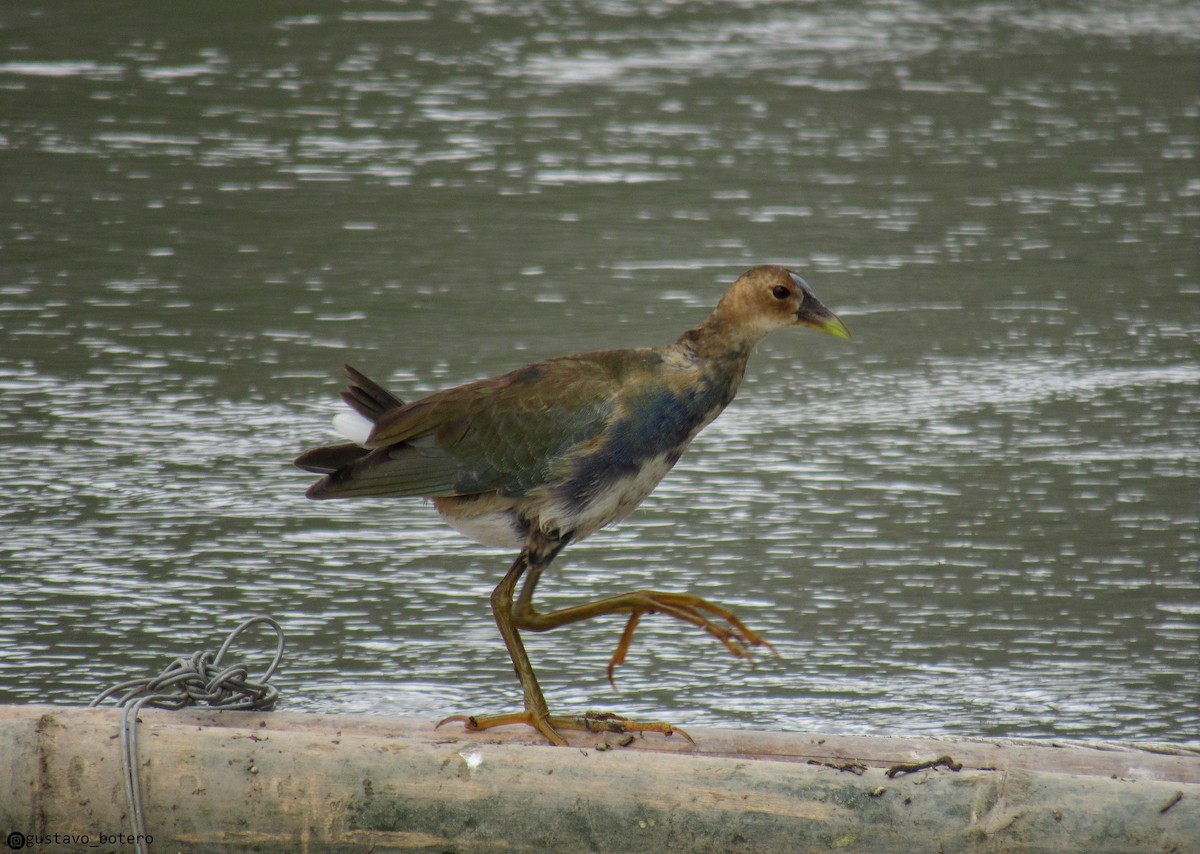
369 400
367 397
329 459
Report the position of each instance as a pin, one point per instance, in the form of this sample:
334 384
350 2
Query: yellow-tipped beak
815 315
834 326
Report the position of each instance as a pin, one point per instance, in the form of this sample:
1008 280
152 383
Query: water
980 517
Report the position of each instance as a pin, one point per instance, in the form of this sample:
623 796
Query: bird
550 453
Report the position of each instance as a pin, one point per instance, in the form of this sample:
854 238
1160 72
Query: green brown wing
511 434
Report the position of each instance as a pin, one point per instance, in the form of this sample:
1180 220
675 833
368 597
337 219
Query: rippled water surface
979 517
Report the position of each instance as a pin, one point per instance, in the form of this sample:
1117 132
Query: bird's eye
780 292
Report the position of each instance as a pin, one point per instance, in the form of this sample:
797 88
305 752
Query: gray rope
197 678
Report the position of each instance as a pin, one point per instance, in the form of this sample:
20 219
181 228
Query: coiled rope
199 678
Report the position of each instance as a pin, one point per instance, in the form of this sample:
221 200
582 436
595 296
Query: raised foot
735 635
548 725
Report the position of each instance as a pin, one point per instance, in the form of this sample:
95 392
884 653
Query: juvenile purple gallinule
552 452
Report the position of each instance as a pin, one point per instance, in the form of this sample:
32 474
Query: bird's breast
611 476
584 512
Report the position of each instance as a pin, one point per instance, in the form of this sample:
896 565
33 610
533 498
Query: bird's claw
737 637
548 725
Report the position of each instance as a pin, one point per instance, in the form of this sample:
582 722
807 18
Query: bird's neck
718 341
718 355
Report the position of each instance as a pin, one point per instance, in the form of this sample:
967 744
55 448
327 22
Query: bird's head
768 297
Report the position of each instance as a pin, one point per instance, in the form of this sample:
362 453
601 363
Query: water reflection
980 517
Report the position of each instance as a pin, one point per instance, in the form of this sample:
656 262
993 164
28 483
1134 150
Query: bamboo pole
237 781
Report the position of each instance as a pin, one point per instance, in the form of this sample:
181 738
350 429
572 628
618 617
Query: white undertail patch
355 427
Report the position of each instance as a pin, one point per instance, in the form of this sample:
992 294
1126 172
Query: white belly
496 529
495 521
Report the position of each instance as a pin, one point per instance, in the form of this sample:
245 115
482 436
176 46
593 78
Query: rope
186 682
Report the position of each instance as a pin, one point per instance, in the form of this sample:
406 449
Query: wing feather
510 435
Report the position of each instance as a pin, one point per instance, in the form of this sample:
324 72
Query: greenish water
978 517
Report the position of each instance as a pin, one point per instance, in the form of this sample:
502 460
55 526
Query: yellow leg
536 556
735 635
537 713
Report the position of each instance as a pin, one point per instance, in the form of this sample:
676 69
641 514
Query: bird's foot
736 636
548 725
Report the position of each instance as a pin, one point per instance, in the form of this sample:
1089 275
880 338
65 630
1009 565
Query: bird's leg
719 622
539 551
537 713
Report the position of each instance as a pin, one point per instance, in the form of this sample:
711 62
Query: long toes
739 631
465 720
548 725
733 634
609 722
736 637
618 656
477 723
